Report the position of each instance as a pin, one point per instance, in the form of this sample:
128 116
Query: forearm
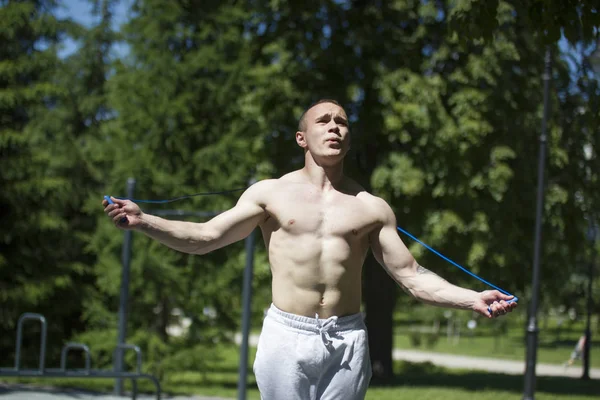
187 237
430 288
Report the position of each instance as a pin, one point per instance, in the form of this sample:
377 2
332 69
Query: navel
322 302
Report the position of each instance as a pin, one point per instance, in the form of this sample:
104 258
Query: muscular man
317 225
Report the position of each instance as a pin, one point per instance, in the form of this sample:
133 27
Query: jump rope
437 253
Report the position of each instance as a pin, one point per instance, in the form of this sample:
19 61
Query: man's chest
305 212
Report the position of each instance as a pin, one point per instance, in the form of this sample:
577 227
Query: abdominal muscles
315 272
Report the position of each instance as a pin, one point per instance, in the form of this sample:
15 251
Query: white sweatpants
301 358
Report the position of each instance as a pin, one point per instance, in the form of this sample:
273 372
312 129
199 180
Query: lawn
509 347
503 339
413 381
426 381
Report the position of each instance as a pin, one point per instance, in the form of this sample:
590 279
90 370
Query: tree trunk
380 299
164 319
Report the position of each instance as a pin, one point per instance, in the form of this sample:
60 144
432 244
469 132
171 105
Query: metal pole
532 326
124 299
247 299
590 304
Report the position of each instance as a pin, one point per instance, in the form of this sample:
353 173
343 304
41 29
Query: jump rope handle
107 198
513 300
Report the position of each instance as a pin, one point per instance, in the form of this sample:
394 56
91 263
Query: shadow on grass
564 344
190 389
426 375
429 375
34 391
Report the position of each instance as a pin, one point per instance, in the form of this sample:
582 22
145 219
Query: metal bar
22 319
137 351
58 372
71 346
592 235
124 297
62 372
247 300
133 389
532 325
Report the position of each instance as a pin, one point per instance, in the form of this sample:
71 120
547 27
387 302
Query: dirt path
490 364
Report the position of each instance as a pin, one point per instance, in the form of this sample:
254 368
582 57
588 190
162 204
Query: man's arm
394 256
190 237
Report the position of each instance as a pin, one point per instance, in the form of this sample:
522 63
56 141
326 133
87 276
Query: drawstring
324 328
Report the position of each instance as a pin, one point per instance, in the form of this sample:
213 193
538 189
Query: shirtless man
318 226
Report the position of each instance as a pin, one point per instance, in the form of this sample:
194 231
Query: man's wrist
145 222
475 298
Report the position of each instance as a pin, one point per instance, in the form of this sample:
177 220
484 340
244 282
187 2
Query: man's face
326 135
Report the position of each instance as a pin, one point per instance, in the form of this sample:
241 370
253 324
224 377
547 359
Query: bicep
389 249
236 223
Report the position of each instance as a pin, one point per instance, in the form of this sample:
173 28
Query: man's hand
496 301
124 213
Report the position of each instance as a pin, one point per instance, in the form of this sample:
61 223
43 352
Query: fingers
505 296
114 210
117 204
120 218
114 201
499 308
498 295
118 201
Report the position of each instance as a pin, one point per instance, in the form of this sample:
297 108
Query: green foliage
159 358
546 19
186 124
467 121
445 102
41 267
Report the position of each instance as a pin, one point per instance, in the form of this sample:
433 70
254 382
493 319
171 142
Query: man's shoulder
291 177
272 183
369 199
264 189
261 187
377 206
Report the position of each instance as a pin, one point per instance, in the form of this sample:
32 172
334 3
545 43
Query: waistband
317 325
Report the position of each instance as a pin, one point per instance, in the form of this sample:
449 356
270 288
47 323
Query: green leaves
398 176
473 19
445 104
47 107
546 19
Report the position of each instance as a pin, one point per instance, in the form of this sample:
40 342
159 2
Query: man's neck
324 177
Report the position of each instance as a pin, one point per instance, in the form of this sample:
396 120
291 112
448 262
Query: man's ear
301 139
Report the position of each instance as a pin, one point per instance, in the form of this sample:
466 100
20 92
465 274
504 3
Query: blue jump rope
514 299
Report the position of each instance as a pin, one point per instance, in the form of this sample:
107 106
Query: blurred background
445 100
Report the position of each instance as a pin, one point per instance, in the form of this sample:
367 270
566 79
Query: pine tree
62 106
186 123
35 275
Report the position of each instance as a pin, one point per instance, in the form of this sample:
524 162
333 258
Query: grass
508 347
426 381
422 381
504 339
413 381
